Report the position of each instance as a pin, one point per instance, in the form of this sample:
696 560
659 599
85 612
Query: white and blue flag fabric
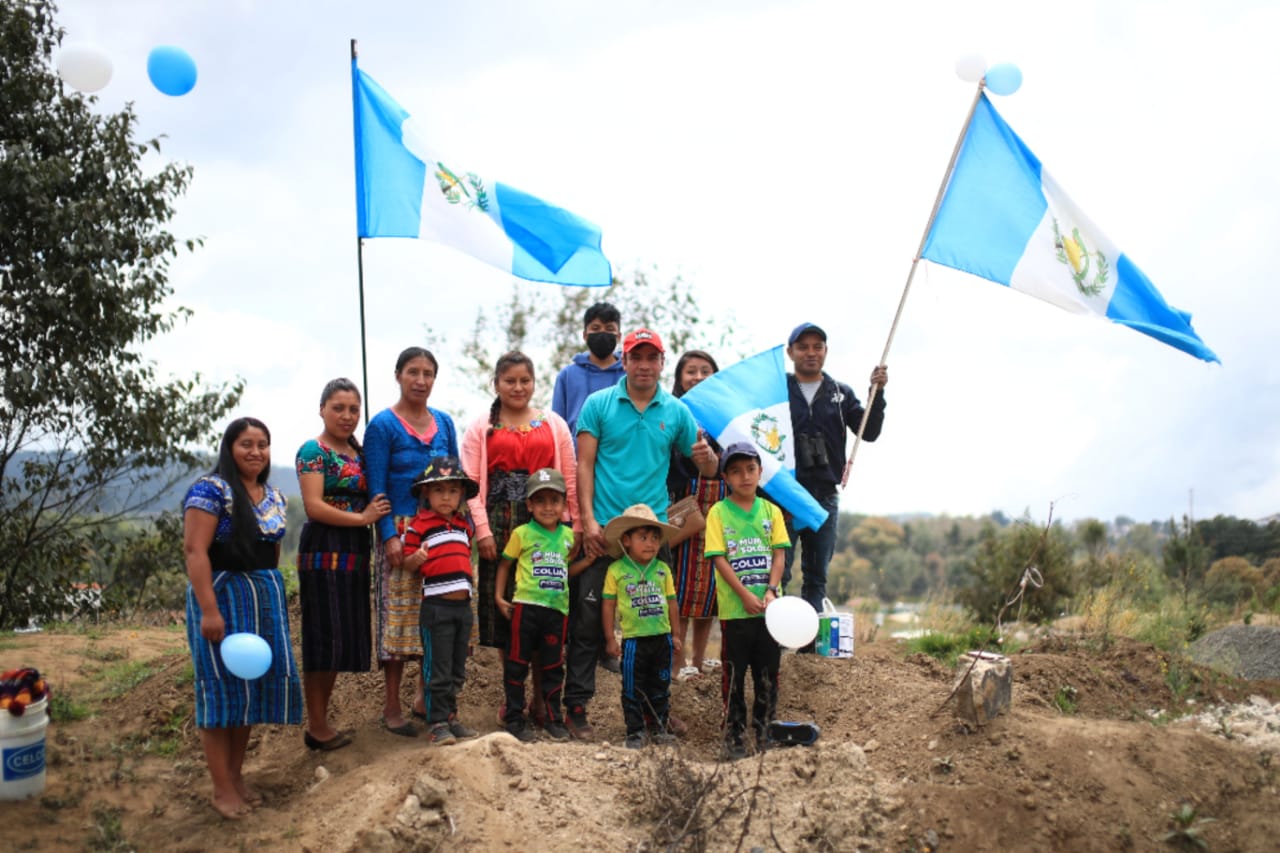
403 189
1005 219
749 402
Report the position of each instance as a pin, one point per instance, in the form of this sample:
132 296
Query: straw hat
636 515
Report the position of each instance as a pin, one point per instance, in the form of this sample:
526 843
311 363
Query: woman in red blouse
499 450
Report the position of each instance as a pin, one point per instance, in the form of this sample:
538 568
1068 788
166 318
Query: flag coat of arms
749 402
404 189
1005 219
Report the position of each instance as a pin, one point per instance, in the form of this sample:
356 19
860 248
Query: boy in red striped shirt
437 542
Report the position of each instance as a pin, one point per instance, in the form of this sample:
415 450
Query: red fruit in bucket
18 708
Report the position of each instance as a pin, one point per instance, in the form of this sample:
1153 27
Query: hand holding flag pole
884 357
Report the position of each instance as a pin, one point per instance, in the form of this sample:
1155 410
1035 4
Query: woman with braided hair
499 450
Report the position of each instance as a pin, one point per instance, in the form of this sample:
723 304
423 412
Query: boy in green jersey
540 550
747 540
638 588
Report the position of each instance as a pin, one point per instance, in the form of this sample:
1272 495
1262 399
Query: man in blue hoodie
598 368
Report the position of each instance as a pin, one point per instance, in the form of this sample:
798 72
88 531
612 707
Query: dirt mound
890 772
1245 651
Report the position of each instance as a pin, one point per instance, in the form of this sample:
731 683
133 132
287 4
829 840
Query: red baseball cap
642 336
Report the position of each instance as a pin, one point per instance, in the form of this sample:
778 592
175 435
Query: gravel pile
1255 723
1245 651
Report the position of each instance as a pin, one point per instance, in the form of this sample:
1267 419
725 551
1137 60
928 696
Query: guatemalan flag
403 189
749 402
1005 219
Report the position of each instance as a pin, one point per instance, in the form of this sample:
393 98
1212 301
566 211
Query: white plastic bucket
835 632
22 752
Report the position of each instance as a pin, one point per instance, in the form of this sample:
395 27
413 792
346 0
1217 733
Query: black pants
646 682
747 643
586 635
445 625
537 638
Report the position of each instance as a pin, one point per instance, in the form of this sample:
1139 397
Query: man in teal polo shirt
625 437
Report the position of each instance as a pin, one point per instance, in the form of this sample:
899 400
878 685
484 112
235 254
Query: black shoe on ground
522 731
461 731
735 749
556 730
636 740
575 719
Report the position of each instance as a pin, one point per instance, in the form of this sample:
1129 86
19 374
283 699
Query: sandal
338 741
405 729
687 672
710 664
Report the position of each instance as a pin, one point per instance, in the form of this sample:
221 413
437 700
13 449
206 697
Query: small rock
321 773
429 817
931 838
600 756
1029 804
871 745
429 791
376 841
933 744
523 785
408 814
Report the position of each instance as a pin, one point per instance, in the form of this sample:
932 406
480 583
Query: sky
783 158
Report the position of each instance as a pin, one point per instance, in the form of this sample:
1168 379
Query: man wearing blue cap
821 410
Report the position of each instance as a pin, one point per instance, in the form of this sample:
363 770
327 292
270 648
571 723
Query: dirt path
886 775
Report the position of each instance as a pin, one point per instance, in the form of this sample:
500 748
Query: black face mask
602 344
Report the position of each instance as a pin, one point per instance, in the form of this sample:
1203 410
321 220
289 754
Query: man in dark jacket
821 410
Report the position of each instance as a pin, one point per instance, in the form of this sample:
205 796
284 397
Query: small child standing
437 542
747 540
539 609
639 588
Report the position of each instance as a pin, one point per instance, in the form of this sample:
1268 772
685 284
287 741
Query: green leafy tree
89 431
1233 581
997 567
545 322
1185 557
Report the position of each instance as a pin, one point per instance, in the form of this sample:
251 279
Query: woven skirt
695 574
333 590
504 517
254 603
399 597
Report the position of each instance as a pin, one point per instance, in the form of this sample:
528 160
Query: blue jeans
816 548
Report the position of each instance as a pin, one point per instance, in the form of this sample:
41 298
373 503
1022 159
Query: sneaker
522 731
556 730
636 740
663 739
579 727
611 663
461 731
734 748
440 735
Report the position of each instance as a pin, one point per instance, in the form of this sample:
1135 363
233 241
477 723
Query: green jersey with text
747 540
542 564
642 593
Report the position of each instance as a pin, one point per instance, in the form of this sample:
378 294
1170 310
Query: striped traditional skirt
506 513
254 603
399 597
695 574
333 590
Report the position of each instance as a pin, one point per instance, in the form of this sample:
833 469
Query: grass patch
948 646
1065 699
108 830
63 708
107 655
120 679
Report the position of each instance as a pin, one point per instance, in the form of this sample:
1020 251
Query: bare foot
251 796
231 808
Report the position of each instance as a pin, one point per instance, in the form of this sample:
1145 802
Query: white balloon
971 68
791 621
84 68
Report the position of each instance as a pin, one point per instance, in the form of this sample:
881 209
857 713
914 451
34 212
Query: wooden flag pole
364 349
924 238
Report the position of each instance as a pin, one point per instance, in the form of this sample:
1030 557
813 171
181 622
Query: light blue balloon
171 69
1004 79
246 656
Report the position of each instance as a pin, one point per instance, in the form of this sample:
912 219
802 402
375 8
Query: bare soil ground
888 773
